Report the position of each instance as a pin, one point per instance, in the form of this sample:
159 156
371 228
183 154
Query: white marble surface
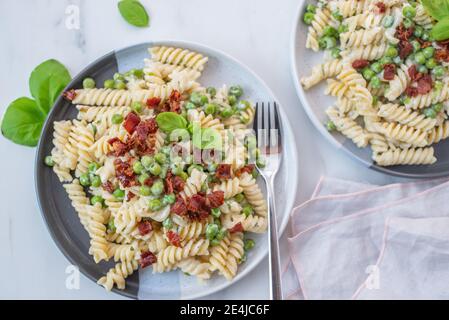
257 32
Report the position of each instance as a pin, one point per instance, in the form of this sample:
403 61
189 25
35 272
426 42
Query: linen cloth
361 241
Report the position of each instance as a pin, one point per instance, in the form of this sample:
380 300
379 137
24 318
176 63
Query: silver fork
267 125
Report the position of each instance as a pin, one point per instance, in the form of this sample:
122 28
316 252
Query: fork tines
267 125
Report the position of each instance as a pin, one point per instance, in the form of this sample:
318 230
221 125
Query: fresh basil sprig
440 31
169 121
23 120
438 9
134 13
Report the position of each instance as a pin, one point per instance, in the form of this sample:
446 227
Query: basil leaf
438 9
22 122
134 13
46 83
169 121
440 31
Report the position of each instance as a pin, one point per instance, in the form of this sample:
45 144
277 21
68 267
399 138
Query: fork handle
273 252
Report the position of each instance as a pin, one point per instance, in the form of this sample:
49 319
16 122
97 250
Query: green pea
330 31
247 210
308 18
431 63
409 12
138 73
437 107
232 99
423 69
95 181
85 180
335 53
138 167
341 29
260 163
93 167
211 231
143 177
375 82
327 42
391 52
243 258
311 8
184 176
154 204
176 168
418 31
117 119
155 169
203 100
236 91
408 23
109 84
430 113
190 105
210 108
118 76
211 91
438 72
397 60
249 244
216 212
111 225
167 223
49 161
157 188
227 112
97 199
239 197
368 74
420 58
337 16
195 98
376 67
169 199
438 85
160 158
164 170
147 161
120 85
385 60
214 242
416 45
388 21
145 190
221 234
88 83
137 106
119 194
425 36
428 52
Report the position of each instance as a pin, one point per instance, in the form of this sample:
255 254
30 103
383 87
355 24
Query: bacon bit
147 258
442 55
143 138
119 147
179 207
389 71
403 33
130 195
175 101
238 227
173 238
178 183
144 227
405 49
197 207
413 72
153 102
70 94
248 169
223 171
411 91
215 199
360 64
381 7
425 44
169 183
108 187
443 43
425 84
125 173
150 181
131 122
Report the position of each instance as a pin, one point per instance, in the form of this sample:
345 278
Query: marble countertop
257 32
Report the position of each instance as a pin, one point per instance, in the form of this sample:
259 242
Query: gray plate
62 220
315 103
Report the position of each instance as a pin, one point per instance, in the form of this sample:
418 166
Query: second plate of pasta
375 83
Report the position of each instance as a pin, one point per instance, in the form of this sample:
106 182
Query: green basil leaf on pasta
169 121
440 31
23 121
438 9
134 13
46 83
206 138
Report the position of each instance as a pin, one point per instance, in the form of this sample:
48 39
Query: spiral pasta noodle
179 57
406 156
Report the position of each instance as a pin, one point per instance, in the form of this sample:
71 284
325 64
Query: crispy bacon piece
403 33
175 101
405 49
69 94
153 102
130 195
424 84
442 55
248 169
178 183
197 207
389 71
119 147
169 183
108 187
144 227
381 7
411 91
223 171
238 227
360 63
179 207
173 238
147 258
413 72
132 120
125 173
215 199
143 139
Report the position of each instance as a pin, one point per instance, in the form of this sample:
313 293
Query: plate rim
286 126
319 126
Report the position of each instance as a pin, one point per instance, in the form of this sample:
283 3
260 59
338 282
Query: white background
257 32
